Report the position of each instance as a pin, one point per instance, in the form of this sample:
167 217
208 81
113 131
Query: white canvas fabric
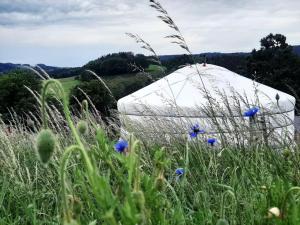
182 98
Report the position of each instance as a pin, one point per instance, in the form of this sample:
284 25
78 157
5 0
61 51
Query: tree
14 95
274 41
97 93
115 64
275 64
126 85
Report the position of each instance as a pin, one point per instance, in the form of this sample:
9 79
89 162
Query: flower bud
286 153
45 145
274 212
76 206
139 198
85 104
159 183
222 222
82 127
71 222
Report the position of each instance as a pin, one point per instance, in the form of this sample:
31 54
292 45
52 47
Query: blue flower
211 141
121 146
195 130
179 171
251 112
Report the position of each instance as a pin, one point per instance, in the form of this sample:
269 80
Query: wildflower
179 171
274 212
211 141
251 112
45 145
121 146
195 130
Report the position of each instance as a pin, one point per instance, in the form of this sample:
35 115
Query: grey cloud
36 12
99 25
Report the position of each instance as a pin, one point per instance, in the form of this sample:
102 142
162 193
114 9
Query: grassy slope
71 82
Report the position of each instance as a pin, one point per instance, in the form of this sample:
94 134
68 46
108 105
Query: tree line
274 64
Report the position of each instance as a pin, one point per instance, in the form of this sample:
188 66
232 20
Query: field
116 80
80 167
74 173
69 83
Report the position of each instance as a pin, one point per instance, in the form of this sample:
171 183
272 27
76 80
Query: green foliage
235 62
114 64
123 86
174 63
126 190
275 64
99 95
15 96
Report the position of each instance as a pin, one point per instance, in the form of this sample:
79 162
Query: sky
70 33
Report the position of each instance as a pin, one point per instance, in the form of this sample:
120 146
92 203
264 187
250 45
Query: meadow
73 170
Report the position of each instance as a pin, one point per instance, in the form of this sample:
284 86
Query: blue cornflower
195 130
251 112
121 146
179 171
211 141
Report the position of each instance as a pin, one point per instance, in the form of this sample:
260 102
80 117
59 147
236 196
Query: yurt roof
185 86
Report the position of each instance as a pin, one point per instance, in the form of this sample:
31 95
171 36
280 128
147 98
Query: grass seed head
45 144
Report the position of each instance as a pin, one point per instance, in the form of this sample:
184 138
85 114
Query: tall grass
236 184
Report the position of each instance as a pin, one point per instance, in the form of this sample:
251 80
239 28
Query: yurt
203 101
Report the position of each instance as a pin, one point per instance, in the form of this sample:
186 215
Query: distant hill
6 67
296 49
55 72
62 72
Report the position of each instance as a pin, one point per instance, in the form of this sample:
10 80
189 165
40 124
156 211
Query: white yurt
212 100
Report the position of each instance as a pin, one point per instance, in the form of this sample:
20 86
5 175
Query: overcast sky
72 32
